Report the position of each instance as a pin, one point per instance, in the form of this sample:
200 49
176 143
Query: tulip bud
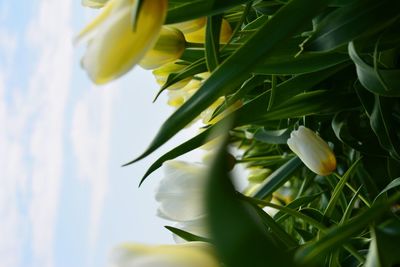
115 44
312 150
199 36
191 25
192 254
169 47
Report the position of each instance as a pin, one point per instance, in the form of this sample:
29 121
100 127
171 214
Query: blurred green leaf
237 230
384 247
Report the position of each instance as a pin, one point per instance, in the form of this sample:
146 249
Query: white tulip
192 254
312 150
181 192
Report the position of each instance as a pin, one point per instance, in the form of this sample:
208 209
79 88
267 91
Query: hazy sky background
64 199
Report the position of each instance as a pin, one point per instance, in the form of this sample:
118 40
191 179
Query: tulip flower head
118 39
312 150
192 254
169 47
181 191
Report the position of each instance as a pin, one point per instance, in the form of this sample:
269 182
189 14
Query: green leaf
338 189
380 111
313 252
237 231
303 63
179 11
383 127
351 21
277 178
183 148
186 235
192 69
213 30
304 82
395 183
295 204
235 70
318 102
383 82
273 136
354 130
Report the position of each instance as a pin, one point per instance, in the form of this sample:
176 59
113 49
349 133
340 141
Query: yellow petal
116 47
199 36
192 254
191 25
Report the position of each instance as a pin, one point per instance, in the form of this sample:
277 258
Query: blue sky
64 199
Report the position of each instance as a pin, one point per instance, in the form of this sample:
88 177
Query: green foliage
332 66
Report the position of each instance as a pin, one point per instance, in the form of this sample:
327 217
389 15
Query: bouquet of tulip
304 94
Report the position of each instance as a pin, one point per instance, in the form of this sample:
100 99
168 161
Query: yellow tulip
191 25
192 254
312 150
176 98
199 36
169 47
161 74
94 3
116 45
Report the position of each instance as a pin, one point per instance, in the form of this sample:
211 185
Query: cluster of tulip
115 47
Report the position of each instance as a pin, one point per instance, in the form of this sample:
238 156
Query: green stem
190 45
273 90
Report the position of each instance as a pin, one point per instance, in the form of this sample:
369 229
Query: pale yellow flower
191 25
116 44
169 47
312 150
199 36
161 74
176 98
192 254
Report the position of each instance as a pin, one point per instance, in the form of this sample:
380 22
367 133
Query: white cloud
50 32
31 140
90 135
10 157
